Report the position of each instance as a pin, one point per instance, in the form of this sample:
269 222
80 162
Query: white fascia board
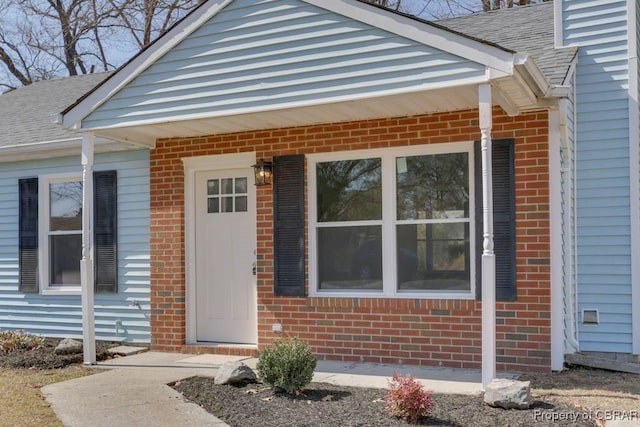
421 32
73 118
531 73
561 91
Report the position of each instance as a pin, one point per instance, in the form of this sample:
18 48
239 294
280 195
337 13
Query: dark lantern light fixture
263 172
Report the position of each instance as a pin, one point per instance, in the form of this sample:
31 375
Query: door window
227 195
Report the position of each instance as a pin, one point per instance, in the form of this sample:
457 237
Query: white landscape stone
68 346
234 372
508 394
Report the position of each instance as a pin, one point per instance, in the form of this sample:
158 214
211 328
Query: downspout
574 229
488 256
86 263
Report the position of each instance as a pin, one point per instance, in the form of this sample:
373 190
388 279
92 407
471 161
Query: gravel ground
324 405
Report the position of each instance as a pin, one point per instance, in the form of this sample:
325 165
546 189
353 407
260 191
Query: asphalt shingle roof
26 113
527 29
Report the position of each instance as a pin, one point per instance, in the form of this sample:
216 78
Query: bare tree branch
6 59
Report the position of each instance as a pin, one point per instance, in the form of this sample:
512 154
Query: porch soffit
249 65
434 101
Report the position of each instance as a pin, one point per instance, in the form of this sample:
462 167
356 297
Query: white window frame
43 234
389 221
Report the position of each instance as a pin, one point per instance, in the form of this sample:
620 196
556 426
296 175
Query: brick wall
414 331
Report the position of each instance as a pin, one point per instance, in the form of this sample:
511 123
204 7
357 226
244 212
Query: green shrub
11 341
407 399
286 366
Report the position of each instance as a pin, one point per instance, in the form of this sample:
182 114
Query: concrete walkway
133 390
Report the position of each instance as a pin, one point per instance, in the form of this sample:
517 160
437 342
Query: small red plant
407 398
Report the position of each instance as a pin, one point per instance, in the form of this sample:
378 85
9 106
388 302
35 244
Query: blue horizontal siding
599 27
277 54
61 316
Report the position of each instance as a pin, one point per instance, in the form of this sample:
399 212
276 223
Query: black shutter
288 225
105 229
504 223
28 235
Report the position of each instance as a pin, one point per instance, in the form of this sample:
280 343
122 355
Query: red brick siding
414 331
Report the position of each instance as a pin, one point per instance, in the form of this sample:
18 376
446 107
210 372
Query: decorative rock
234 372
68 346
126 350
508 394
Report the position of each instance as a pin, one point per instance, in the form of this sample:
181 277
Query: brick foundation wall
412 331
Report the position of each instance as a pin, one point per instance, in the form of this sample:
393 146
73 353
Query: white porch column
488 257
86 264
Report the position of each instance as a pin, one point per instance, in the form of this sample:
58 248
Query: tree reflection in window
65 206
432 234
433 187
349 254
349 190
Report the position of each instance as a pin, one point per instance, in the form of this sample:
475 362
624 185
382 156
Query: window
432 222
227 195
65 233
393 222
62 236
349 233
50 233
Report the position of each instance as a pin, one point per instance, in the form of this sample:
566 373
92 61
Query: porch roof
184 85
28 125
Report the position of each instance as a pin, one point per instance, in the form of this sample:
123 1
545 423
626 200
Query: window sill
71 291
404 295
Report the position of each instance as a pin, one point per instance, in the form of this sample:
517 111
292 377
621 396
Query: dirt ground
598 392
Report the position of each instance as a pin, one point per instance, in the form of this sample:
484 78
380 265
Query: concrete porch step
609 361
247 350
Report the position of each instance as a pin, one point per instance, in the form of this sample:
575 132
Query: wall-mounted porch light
263 172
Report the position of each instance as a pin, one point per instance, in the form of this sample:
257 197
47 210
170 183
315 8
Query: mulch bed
45 358
324 405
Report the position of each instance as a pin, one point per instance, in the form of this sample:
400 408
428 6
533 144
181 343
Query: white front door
225 243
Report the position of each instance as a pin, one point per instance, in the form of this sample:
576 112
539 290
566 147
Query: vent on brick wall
590 317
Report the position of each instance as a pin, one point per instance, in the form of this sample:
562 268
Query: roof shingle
526 29
27 113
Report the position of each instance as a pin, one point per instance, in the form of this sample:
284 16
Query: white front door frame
191 166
